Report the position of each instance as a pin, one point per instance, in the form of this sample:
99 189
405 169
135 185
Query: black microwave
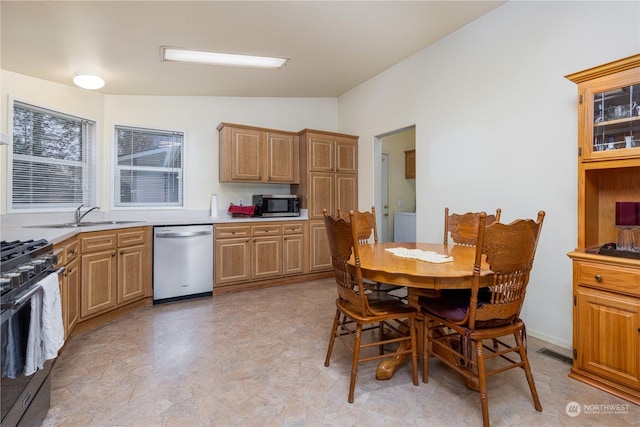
269 205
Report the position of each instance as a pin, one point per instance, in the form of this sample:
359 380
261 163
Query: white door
384 189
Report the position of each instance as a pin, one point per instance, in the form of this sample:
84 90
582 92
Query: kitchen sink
81 224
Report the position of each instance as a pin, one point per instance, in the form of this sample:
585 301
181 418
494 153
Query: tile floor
257 359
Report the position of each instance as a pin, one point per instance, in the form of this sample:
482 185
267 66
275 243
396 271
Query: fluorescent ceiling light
180 55
88 81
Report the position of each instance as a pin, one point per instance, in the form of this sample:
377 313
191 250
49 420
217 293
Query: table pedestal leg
388 367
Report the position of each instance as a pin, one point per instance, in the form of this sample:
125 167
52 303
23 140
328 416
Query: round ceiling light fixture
88 81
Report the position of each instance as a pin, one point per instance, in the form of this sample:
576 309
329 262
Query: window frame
115 175
89 166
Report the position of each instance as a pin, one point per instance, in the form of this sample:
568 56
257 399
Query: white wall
496 126
198 117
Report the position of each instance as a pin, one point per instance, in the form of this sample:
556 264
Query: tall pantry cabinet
328 180
606 278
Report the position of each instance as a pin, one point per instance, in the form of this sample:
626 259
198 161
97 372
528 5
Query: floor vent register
555 355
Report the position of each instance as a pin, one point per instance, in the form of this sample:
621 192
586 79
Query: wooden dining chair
367 232
358 311
463 228
457 324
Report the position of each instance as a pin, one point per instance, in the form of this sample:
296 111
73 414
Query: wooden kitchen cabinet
116 269
319 253
329 172
256 252
267 251
67 253
410 164
606 287
252 154
293 248
232 254
328 180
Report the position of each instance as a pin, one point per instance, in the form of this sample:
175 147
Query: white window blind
148 167
52 164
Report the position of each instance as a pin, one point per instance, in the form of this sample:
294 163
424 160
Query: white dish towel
46 331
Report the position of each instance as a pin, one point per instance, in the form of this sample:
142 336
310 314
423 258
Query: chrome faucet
80 216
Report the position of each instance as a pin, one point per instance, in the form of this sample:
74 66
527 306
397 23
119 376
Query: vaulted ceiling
333 46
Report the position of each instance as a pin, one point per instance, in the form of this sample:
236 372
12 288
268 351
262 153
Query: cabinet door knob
121 251
598 278
113 253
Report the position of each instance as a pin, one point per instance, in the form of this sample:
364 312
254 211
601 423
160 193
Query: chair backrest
464 227
365 224
343 244
509 250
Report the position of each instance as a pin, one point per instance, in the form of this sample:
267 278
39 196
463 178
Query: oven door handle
27 295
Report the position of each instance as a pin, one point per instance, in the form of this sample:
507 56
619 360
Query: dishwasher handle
182 234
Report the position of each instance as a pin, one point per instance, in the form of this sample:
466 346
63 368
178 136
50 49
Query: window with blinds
148 168
52 162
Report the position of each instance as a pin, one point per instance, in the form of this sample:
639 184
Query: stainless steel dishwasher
182 262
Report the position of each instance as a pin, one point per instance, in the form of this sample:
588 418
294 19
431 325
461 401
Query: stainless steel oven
25 399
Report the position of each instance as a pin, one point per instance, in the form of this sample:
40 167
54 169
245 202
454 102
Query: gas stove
23 263
24 397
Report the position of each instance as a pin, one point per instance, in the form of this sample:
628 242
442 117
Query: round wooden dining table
420 277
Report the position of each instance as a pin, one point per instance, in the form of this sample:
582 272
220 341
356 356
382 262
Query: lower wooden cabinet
116 269
319 254
71 296
252 252
69 280
607 324
294 251
232 254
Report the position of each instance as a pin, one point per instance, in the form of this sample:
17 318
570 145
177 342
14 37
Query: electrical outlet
400 203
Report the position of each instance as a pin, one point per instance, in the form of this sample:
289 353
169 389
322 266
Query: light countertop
29 226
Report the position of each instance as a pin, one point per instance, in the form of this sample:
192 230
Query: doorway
393 191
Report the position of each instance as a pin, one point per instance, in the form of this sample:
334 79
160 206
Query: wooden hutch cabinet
328 180
606 282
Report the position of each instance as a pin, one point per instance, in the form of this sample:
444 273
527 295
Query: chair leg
355 360
527 371
414 349
381 337
426 348
482 380
332 340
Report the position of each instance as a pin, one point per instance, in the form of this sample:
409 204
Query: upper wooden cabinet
329 172
410 164
252 154
330 152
